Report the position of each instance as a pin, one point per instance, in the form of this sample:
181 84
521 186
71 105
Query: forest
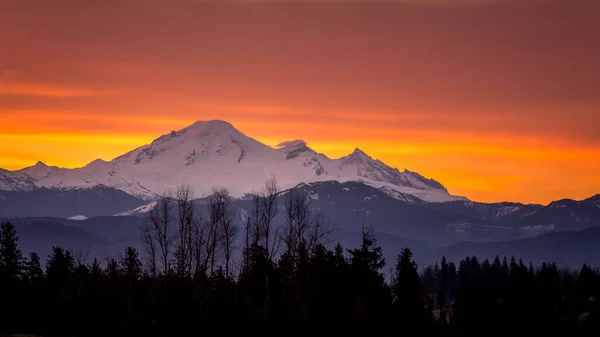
202 269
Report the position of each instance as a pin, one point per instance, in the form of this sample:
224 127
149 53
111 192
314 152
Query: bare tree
161 230
150 247
303 225
289 235
185 222
198 245
227 226
214 230
266 205
269 212
255 227
246 252
80 256
297 222
320 230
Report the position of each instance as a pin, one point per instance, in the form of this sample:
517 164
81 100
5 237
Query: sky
496 99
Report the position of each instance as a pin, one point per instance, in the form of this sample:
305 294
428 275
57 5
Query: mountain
347 205
52 202
109 236
403 205
572 248
15 181
97 237
531 219
40 171
351 204
211 154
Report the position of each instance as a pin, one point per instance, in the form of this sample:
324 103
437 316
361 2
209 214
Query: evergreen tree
443 285
112 269
11 258
60 264
369 257
408 292
33 270
10 275
339 257
131 265
505 294
95 270
371 296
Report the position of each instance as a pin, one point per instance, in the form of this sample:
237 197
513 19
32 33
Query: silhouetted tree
306 282
368 284
11 258
33 272
131 265
409 302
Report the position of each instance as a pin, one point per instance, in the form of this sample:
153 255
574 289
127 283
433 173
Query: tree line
202 271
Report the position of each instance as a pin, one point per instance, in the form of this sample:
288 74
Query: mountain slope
532 219
572 248
99 237
40 170
211 154
95 201
15 181
350 204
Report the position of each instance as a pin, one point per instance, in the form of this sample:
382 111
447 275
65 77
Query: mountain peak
211 125
358 154
199 129
97 163
40 164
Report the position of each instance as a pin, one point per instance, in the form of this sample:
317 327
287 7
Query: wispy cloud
296 142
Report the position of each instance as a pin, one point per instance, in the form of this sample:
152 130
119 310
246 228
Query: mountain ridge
215 153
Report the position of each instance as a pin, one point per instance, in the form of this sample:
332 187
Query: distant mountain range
103 237
403 206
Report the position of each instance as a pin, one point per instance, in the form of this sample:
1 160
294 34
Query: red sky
496 99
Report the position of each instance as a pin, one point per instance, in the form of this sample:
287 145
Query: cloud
291 143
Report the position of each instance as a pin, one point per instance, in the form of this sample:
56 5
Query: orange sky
497 100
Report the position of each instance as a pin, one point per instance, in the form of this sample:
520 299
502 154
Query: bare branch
269 212
183 240
320 230
150 247
160 222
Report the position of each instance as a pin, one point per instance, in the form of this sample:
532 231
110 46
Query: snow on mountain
138 210
40 170
78 218
211 154
15 181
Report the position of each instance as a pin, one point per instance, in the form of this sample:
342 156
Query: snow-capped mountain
15 181
40 171
211 154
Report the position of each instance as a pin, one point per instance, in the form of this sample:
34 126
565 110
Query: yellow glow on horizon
484 166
